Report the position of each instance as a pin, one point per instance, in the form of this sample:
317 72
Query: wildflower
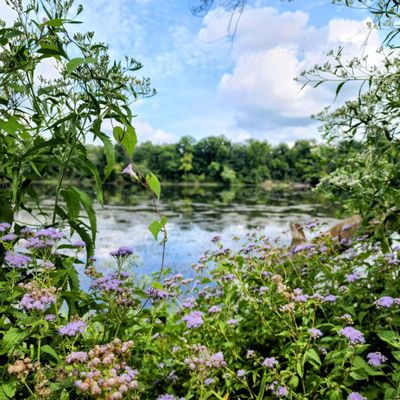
214 310
270 362
50 317
355 276
166 397
194 319
122 252
37 243
16 260
216 239
263 289
241 373
250 354
36 298
384 302
72 328
232 322
79 243
108 283
301 298
315 333
281 391
330 298
129 170
302 247
218 360
209 381
347 318
4 226
157 293
376 359
353 335
49 233
8 238
189 303
356 396
76 356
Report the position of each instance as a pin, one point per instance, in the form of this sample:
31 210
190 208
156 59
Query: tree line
217 159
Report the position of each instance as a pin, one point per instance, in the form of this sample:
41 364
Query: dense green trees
216 159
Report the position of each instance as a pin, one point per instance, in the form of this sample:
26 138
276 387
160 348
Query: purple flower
158 294
301 298
8 238
376 359
17 260
216 238
72 328
108 283
79 243
122 252
384 302
281 391
76 356
194 319
232 322
4 226
241 373
189 303
38 243
50 317
250 354
214 310
209 381
166 397
353 335
301 247
218 360
355 276
315 333
37 301
270 362
263 290
129 170
49 233
330 298
356 396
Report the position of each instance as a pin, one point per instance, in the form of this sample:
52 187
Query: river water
195 215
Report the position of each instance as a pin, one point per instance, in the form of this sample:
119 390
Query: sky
244 88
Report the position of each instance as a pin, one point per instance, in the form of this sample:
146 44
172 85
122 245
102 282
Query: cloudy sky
209 85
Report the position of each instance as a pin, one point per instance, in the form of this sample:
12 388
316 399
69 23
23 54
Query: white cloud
145 132
270 50
6 13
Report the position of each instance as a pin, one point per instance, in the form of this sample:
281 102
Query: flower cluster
376 359
73 328
103 372
352 335
17 260
37 298
194 319
122 252
315 333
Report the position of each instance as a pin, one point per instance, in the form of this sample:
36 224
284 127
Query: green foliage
44 123
255 322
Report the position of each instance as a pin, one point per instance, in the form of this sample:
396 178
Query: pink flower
129 170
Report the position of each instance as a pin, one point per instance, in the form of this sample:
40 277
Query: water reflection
195 214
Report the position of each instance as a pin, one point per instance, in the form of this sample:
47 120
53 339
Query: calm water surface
195 215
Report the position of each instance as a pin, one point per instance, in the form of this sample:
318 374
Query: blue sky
209 85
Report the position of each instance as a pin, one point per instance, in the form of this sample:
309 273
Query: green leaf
8 389
156 226
77 62
71 199
11 338
390 337
339 88
50 351
262 387
88 206
127 138
312 356
56 22
154 184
